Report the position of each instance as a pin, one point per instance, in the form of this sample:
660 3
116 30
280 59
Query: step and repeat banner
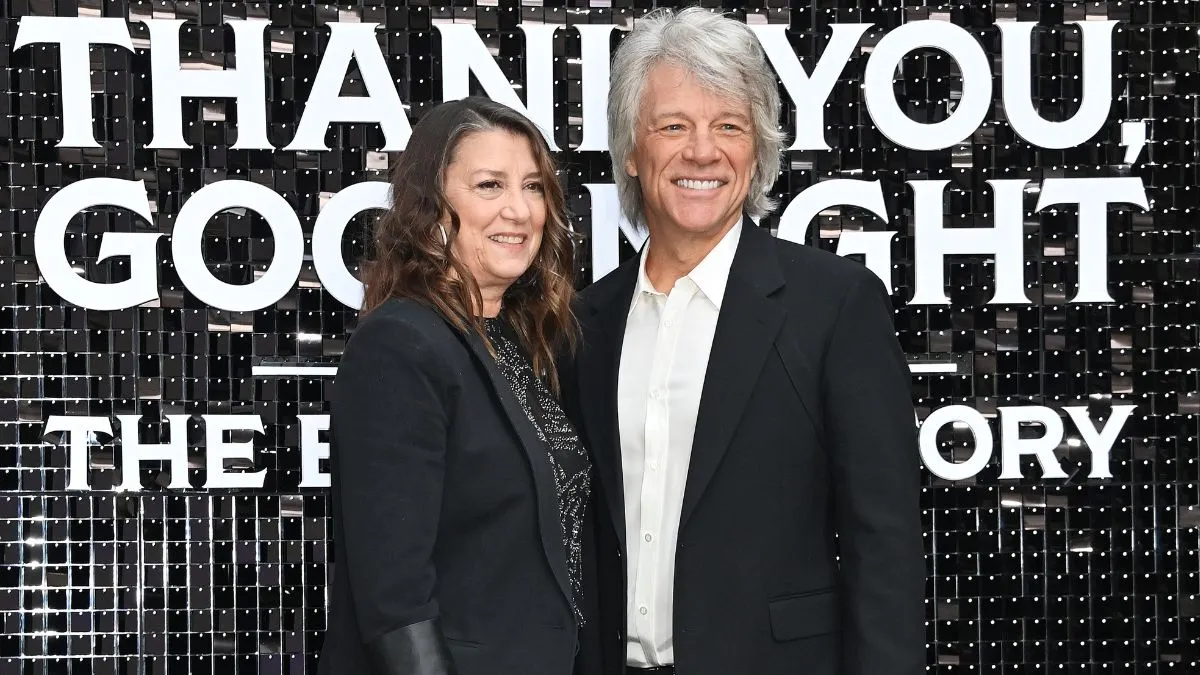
186 188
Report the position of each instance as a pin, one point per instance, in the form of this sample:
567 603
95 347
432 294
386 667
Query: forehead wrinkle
730 104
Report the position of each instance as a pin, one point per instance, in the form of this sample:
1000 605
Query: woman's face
494 185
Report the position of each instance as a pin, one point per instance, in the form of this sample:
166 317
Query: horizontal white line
295 370
332 370
933 367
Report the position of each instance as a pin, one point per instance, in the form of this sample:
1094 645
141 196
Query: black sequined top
568 458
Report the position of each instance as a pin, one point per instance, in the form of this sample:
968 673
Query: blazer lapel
599 366
535 451
746 328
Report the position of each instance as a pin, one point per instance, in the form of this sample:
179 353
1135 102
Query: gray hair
724 55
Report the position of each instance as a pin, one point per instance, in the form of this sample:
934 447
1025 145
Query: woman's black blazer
448 553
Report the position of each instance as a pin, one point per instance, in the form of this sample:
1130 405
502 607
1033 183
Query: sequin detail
568 457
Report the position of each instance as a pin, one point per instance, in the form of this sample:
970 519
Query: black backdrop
1028 575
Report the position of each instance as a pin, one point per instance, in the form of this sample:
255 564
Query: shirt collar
711 275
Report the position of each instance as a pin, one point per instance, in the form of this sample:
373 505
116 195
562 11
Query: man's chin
700 224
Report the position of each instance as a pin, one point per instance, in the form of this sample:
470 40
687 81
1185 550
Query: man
745 399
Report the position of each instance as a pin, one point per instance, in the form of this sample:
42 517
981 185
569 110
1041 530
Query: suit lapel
599 366
535 451
746 328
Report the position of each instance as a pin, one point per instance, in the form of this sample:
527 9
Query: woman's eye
536 187
489 185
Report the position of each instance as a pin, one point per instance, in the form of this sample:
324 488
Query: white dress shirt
664 357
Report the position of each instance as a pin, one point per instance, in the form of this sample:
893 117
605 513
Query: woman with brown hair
459 487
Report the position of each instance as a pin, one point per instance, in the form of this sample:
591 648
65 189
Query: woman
458 485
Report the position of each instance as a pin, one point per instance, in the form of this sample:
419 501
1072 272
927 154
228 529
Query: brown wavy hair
410 255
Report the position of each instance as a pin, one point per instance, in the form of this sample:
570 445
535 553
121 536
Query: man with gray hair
745 399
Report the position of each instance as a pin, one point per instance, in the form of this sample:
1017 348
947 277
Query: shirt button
643 611
649 537
653 464
669 322
656 394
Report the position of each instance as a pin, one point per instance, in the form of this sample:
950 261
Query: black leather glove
416 649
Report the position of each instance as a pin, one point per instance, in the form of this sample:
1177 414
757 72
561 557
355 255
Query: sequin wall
162 436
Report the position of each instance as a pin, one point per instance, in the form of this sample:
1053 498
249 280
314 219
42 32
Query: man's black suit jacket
444 510
800 547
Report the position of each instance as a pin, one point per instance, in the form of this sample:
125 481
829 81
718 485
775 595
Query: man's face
693 155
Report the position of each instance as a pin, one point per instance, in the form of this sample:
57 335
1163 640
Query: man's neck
674 254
